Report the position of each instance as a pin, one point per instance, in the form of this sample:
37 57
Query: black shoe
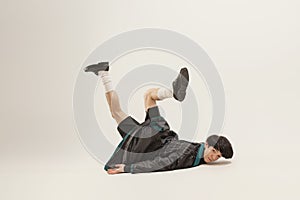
102 66
180 84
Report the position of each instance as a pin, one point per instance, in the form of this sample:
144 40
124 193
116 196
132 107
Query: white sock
106 80
164 93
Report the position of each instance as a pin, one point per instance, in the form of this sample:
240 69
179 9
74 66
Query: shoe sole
184 74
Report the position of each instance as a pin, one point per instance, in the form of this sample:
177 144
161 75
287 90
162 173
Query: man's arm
158 164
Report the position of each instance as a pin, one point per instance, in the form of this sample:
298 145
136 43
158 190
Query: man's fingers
117 169
112 171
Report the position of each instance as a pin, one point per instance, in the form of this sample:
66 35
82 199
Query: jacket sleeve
158 164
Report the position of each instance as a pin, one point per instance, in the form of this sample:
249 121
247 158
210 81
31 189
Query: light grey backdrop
255 46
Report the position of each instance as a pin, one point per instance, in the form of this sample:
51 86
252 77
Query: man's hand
119 168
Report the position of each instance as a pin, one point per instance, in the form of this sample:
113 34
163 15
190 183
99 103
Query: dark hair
221 144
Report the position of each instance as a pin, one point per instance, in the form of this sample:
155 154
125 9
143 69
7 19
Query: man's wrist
127 168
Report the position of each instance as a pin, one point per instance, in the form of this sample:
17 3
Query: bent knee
150 92
119 116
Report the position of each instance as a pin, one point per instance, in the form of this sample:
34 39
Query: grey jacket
153 147
177 154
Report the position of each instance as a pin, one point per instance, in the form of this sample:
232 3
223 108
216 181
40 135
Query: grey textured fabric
151 146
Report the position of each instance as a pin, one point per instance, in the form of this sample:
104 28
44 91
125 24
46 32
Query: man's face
211 154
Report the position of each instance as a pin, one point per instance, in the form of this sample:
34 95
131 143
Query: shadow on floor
219 163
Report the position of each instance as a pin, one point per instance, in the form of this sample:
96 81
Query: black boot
102 66
180 84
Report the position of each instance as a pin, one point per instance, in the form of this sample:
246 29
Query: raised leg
156 94
179 90
114 106
102 70
150 98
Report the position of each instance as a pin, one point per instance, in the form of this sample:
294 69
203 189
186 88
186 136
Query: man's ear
206 145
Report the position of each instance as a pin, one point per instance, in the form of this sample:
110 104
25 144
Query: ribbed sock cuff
106 80
164 93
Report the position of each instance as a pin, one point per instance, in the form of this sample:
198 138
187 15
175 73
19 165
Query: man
151 146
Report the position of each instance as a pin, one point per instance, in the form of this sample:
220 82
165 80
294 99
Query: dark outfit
152 146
